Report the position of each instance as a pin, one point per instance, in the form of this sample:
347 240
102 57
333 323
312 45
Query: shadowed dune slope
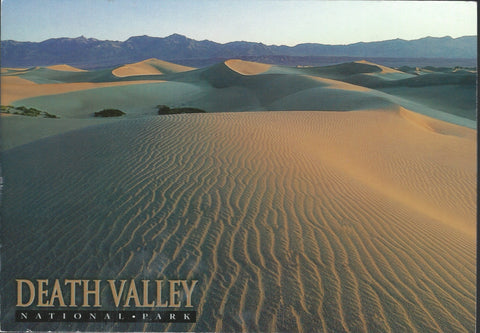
134 99
216 89
232 86
291 221
460 100
16 88
222 88
344 70
42 75
237 85
219 88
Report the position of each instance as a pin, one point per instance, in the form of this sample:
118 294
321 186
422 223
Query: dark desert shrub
24 111
109 113
49 115
163 109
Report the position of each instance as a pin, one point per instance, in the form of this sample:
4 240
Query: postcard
238 166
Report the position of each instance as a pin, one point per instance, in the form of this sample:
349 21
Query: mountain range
90 52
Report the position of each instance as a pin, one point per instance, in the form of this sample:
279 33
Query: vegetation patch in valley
163 109
24 111
109 113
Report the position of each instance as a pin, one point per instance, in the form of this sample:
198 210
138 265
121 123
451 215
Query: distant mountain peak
139 38
88 52
177 38
437 38
175 35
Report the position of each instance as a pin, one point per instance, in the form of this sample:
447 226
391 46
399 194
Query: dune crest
16 88
9 69
247 67
65 68
336 84
434 125
150 66
384 69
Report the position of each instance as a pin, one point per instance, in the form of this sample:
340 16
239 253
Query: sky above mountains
279 22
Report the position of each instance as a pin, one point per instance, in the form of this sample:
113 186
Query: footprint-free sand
350 220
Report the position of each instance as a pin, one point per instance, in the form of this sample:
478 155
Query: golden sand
66 68
383 68
360 221
15 88
149 67
292 221
7 69
335 84
247 67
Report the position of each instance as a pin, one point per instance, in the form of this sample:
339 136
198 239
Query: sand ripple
291 221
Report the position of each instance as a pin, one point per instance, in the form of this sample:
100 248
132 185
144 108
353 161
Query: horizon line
233 41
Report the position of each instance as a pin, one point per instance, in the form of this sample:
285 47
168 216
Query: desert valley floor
314 199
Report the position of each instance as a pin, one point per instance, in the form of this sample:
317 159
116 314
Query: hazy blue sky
271 22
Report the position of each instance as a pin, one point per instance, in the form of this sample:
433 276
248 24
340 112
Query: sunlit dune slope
16 88
231 86
237 85
247 67
149 67
215 89
450 91
12 70
291 221
383 69
66 68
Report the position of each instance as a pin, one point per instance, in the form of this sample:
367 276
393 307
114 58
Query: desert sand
149 67
247 67
384 69
327 207
66 68
15 88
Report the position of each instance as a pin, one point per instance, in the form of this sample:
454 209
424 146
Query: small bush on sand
163 109
24 111
49 115
109 113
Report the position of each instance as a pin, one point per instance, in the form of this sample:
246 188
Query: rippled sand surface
306 221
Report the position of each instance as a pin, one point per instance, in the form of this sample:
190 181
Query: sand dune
218 88
445 90
346 205
291 221
234 86
456 99
359 72
66 68
12 70
344 70
383 69
334 84
149 67
247 67
16 88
